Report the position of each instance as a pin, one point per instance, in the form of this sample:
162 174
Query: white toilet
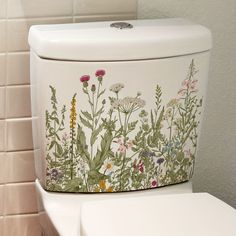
117 110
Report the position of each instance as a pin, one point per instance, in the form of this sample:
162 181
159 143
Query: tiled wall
18 208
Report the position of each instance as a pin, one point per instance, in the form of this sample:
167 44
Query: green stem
98 91
72 154
55 140
117 97
171 123
124 155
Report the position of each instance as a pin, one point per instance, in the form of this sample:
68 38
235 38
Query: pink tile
2 102
20 198
3 47
91 7
2 69
105 17
17 31
46 225
22 225
17 101
3 168
19 134
18 68
3 8
1 225
2 135
42 8
1 199
20 167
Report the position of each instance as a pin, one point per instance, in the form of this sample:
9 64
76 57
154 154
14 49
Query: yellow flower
102 184
108 166
73 113
110 190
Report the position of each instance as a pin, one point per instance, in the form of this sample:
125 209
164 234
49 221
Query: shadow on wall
216 163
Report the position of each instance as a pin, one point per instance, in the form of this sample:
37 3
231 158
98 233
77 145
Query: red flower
100 73
140 166
93 88
84 78
141 169
154 183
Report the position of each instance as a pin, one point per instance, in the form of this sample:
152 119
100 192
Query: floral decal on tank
109 150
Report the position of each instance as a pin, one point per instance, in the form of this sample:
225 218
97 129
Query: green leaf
100 111
51 145
95 134
95 176
158 124
132 125
158 96
180 156
104 151
86 123
152 120
101 93
59 149
55 119
82 146
74 185
87 115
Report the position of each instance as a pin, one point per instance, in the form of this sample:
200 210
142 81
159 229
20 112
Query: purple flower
160 160
54 174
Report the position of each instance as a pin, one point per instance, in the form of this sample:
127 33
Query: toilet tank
117 106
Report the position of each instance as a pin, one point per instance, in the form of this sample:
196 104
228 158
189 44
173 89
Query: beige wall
216 165
18 208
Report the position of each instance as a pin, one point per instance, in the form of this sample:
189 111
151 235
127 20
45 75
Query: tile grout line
22 214
39 18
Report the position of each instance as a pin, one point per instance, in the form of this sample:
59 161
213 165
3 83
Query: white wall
215 170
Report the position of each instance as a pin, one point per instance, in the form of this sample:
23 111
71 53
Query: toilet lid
195 214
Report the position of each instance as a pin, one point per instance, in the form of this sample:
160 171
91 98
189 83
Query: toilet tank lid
98 41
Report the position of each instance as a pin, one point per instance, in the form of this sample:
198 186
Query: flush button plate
121 25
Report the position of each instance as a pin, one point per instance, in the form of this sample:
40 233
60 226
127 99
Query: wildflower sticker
116 144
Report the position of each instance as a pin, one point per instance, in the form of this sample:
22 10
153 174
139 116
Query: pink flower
193 85
122 148
65 137
140 166
100 73
186 83
84 78
187 152
182 92
141 169
154 183
130 144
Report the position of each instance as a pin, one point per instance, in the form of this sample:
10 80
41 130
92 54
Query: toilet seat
64 209
191 214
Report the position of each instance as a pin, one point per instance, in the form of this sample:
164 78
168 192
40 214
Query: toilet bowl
117 110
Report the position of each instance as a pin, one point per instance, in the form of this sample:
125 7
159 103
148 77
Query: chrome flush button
121 25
